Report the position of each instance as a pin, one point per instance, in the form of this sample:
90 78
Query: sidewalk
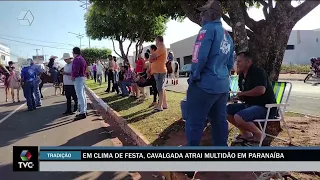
292 77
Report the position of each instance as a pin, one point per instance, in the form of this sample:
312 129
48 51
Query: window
290 47
187 59
3 57
317 39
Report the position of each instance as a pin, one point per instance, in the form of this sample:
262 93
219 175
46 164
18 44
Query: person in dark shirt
255 92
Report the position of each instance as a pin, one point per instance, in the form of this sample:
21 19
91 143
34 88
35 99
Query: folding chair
234 86
279 91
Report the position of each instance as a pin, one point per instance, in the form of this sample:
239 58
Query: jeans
99 78
124 85
54 75
71 93
28 90
95 76
79 85
37 92
201 105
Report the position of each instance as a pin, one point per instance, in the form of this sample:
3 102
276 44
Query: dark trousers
70 92
154 89
95 76
28 90
105 76
111 80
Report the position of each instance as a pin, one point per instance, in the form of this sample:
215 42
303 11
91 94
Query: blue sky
54 19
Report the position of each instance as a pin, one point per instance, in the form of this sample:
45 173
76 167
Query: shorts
160 80
248 113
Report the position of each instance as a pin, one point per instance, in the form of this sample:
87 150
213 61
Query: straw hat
66 56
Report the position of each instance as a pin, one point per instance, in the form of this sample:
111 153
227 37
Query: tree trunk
123 54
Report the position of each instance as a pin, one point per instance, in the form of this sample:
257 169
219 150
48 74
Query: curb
288 79
108 113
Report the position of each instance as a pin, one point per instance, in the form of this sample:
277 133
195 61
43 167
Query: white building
302 46
4 54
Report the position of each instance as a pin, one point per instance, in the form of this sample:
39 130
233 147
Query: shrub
295 68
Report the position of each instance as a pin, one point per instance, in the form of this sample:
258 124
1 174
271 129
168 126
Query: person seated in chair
127 81
255 92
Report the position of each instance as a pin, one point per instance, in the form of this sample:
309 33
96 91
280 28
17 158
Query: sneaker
80 116
67 113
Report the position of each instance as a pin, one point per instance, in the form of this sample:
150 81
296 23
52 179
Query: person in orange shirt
159 70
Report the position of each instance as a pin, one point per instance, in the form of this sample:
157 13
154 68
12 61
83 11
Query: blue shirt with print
212 58
28 74
37 68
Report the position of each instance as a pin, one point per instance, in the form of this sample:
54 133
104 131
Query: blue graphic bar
79 148
60 155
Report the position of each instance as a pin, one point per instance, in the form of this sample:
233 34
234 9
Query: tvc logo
25 157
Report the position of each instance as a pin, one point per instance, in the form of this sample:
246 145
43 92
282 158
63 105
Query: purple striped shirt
79 66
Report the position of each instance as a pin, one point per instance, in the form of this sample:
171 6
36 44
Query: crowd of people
150 71
74 76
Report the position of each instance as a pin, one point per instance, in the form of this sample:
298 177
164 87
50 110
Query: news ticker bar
29 158
179 166
180 155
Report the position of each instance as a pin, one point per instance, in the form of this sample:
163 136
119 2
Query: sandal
251 143
240 139
156 110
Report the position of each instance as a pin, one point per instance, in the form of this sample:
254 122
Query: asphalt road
304 98
47 127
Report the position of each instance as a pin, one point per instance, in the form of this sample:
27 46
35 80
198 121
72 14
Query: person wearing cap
38 70
68 85
28 76
207 94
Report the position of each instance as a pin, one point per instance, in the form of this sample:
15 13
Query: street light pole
79 36
84 5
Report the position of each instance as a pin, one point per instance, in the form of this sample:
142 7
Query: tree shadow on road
22 124
7 173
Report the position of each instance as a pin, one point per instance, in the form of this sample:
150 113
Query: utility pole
85 5
37 51
79 36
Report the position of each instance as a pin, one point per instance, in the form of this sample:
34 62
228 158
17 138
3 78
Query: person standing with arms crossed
159 70
207 94
78 75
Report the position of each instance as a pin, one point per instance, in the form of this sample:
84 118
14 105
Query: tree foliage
93 54
116 20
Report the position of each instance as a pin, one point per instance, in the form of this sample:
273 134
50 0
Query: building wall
306 44
4 54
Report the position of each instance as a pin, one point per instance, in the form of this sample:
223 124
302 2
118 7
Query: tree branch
248 20
129 48
265 7
227 20
190 12
303 9
114 48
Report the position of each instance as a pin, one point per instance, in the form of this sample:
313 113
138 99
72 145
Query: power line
33 44
37 40
45 42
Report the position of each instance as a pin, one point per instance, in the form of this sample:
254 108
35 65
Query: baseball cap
213 5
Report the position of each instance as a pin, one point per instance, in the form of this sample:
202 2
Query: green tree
117 21
93 54
266 39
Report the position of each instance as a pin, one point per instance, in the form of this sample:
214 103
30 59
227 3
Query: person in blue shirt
38 70
207 94
28 77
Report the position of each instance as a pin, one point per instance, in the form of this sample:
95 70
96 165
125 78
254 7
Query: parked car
185 70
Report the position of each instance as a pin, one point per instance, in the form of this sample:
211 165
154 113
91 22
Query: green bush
295 68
